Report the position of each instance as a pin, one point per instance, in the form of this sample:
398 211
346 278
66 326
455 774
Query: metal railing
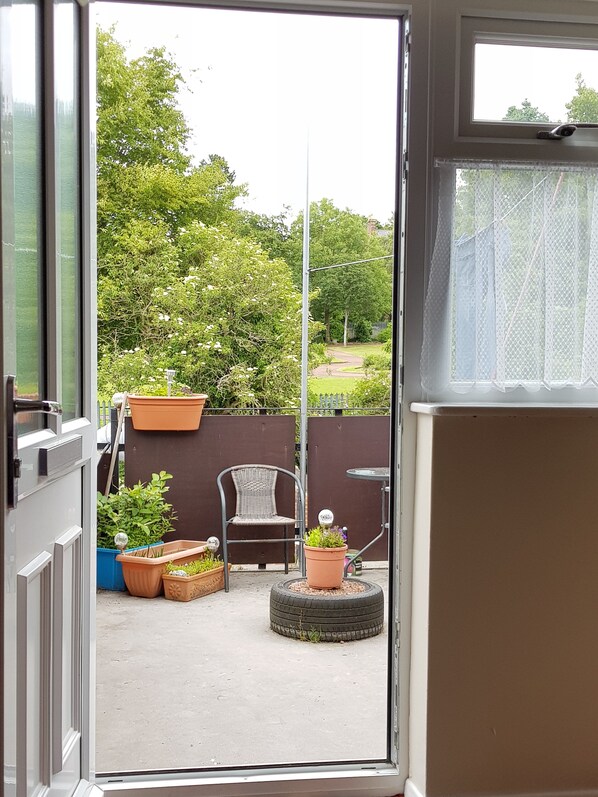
328 404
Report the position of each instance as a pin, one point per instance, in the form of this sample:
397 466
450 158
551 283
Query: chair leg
225 554
286 550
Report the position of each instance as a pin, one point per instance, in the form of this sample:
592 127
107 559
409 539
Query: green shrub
362 331
372 391
141 512
337 330
385 334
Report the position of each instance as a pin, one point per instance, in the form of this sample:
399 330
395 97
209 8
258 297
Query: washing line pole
304 333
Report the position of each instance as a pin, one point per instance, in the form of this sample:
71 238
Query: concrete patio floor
207 683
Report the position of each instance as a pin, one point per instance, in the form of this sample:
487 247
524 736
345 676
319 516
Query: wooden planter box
166 413
143 574
187 588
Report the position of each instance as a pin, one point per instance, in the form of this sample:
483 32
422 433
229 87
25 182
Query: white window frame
455 31
363 779
481 30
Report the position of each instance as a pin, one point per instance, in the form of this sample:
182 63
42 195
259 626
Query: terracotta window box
187 588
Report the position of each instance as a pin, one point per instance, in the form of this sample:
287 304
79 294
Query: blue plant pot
109 572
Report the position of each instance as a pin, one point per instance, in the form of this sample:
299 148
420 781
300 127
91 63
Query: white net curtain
512 298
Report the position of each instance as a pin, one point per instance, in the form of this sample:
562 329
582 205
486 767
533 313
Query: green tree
584 104
178 285
144 170
356 292
229 325
270 232
526 112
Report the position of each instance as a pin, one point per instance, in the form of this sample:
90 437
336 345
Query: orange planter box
166 413
187 588
143 574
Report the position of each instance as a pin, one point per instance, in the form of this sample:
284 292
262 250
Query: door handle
36 405
14 405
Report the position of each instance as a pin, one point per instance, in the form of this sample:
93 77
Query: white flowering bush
229 324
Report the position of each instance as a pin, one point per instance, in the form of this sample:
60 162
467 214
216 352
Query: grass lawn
332 384
355 349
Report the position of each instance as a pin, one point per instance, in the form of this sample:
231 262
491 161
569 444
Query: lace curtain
512 298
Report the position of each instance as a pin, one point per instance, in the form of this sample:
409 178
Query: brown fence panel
196 458
335 445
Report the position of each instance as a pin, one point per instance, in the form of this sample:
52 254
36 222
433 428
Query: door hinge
405 166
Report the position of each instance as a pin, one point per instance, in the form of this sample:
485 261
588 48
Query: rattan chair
255 487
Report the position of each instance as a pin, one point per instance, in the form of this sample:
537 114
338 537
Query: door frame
371 779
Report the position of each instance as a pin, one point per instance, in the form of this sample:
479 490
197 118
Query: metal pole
304 333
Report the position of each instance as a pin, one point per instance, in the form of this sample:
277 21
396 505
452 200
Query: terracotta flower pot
324 566
143 574
166 413
187 588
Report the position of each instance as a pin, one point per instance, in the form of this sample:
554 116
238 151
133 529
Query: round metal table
378 475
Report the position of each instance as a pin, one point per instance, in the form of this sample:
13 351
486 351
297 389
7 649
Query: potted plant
141 513
166 406
140 516
195 579
325 547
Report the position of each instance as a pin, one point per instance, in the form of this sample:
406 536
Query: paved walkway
207 683
342 359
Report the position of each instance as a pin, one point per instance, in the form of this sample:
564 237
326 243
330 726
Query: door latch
14 405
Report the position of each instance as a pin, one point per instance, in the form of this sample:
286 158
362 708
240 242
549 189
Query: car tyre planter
325 617
166 413
187 588
143 574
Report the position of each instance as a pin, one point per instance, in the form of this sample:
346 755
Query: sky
259 85
505 75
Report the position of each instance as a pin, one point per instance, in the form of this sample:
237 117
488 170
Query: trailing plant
203 565
333 537
140 511
159 387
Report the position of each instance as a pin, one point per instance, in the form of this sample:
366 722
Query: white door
49 459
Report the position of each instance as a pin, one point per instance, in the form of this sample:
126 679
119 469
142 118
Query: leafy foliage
362 331
333 537
375 388
526 112
202 565
141 512
185 280
357 292
584 104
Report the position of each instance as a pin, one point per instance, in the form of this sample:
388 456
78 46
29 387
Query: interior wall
509 511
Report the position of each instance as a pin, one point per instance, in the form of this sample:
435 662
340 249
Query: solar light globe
213 543
325 518
121 540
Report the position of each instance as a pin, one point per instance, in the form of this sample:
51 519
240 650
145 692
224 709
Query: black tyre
326 618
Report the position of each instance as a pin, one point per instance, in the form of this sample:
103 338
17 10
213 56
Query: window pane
26 182
527 83
68 196
513 292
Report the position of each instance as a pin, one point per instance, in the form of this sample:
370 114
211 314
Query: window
517 77
512 300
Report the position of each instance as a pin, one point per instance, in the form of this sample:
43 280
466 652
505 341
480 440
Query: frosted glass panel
68 198
27 188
